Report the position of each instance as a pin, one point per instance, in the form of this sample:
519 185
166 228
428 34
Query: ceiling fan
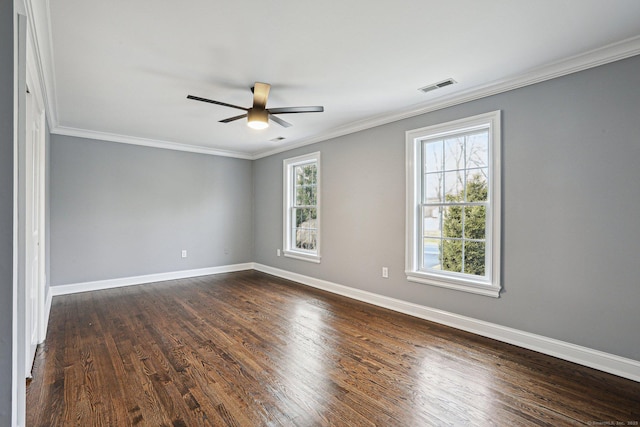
258 116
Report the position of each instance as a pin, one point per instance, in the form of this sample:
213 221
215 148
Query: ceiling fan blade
211 101
279 121
290 110
260 95
231 119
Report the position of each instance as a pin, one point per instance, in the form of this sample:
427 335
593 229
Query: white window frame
489 285
289 166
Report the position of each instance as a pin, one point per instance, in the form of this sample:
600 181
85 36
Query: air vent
438 85
277 139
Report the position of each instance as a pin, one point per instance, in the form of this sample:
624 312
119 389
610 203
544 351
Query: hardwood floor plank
249 349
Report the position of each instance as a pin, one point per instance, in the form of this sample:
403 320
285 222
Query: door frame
26 65
34 87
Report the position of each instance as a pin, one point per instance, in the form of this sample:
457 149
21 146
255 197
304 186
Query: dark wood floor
249 349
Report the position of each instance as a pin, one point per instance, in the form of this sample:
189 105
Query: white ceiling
121 70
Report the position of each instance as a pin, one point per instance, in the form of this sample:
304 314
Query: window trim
490 286
288 200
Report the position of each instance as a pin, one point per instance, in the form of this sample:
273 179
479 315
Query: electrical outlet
385 272
278 252
184 253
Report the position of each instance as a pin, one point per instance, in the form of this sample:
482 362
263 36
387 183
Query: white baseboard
623 367
149 278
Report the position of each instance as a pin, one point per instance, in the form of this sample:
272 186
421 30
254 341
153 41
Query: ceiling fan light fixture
257 119
259 115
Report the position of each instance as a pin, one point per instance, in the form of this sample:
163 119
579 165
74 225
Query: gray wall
6 207
121 210
571 197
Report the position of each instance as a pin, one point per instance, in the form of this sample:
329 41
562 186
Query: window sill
302 256
454 283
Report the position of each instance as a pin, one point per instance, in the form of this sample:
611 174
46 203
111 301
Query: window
453 205
302 207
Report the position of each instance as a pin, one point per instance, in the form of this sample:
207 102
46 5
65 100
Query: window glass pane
474 253
299 195
454 153
433 156
305 174
309 174
306 238
451 255
432 221
477 150
305 188
477 188
433 187
312 240
305 217
306 195
313 195
299 216
299 175
431 253
454 186
475 222
452 221
301 239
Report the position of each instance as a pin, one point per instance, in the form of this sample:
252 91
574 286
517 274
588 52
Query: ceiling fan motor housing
258 118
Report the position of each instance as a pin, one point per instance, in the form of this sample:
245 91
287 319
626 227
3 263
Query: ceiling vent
438 85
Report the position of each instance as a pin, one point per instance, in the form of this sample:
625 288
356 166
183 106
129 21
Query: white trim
34 84
606 362
301 256
140 280
617 365
288 186
594 58
146 142
18 401
600 56
488 285
456 284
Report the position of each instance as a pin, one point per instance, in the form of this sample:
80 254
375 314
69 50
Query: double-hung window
453 205
302 207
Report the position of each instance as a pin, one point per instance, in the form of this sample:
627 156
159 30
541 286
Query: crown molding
594 58
39 16
146 142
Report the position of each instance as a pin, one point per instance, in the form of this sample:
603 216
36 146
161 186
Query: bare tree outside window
454 203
